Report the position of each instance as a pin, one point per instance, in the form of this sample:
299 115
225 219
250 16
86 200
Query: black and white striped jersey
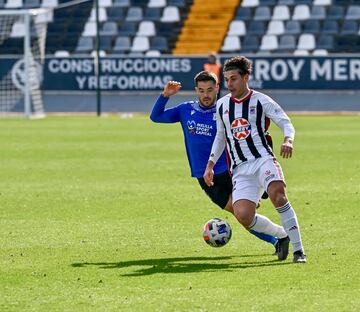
242 126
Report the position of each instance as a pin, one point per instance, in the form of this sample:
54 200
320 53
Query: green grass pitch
100 214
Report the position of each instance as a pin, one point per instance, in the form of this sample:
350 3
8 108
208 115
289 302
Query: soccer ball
217 232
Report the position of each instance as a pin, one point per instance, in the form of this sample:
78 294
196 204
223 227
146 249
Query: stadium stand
185 26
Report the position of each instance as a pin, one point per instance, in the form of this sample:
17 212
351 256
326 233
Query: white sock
291 225
263 224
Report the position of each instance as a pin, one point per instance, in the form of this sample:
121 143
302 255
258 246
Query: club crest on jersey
191 125
240 128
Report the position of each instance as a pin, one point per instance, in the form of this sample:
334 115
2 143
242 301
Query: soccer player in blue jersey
198 121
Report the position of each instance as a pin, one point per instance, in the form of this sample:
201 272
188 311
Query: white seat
231 44
269 42
102 15
320 52
102 53
153 53
146 28
89 30
105 3
322 2
13 4
157 3
276 28
17 30
306 42
249 3
140 44
301 52
45 17
61 53
301 12
170 14
49 3
281 13
237 28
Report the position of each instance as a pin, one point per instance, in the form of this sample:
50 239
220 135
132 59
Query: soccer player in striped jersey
242 118
198 123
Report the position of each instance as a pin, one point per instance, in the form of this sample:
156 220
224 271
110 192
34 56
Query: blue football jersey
199 127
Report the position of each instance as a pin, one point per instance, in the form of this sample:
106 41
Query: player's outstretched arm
158 112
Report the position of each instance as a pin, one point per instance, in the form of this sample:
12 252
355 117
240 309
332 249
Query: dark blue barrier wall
139 74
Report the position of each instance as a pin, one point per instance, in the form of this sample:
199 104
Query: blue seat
349 27
330 27
159 43
243 14
287 43
318 12
177 3
325 42
262 13
122 44
250 44
134 14
115 14
311 27
152 14
292 27
128 29
335 13
256 28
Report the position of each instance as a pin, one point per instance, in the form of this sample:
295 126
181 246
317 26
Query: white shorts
251 179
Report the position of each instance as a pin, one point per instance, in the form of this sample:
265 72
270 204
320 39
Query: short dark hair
205 76
240 63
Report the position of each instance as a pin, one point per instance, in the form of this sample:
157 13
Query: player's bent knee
244 212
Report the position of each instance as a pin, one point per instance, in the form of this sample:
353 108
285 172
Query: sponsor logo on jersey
240 129
252 110
192 112
191 125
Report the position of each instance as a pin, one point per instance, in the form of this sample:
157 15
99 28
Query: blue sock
265 237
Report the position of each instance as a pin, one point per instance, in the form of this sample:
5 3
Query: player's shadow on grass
181 265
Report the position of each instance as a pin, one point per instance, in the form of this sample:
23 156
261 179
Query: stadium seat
152 53
170 14
347 44
311 27
243 14
128 29
349 27
146 28
268 2
269 43
122 44
322 2
281 13
287 43
17 30
159 43
115 14
134 14
105 43
14 4
301 12
105 3
262 13
250 3
109 29
231 44
177 3
49 3
121 3
140 44
318 13
256 28
139 3
62 53
286 2
306 42
85 45
353 12
152 14
157 3
320 52
325 42
301 53
250 44
292 27
29 4
335 12
237 28
89 30
275 28
102 15
330 27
